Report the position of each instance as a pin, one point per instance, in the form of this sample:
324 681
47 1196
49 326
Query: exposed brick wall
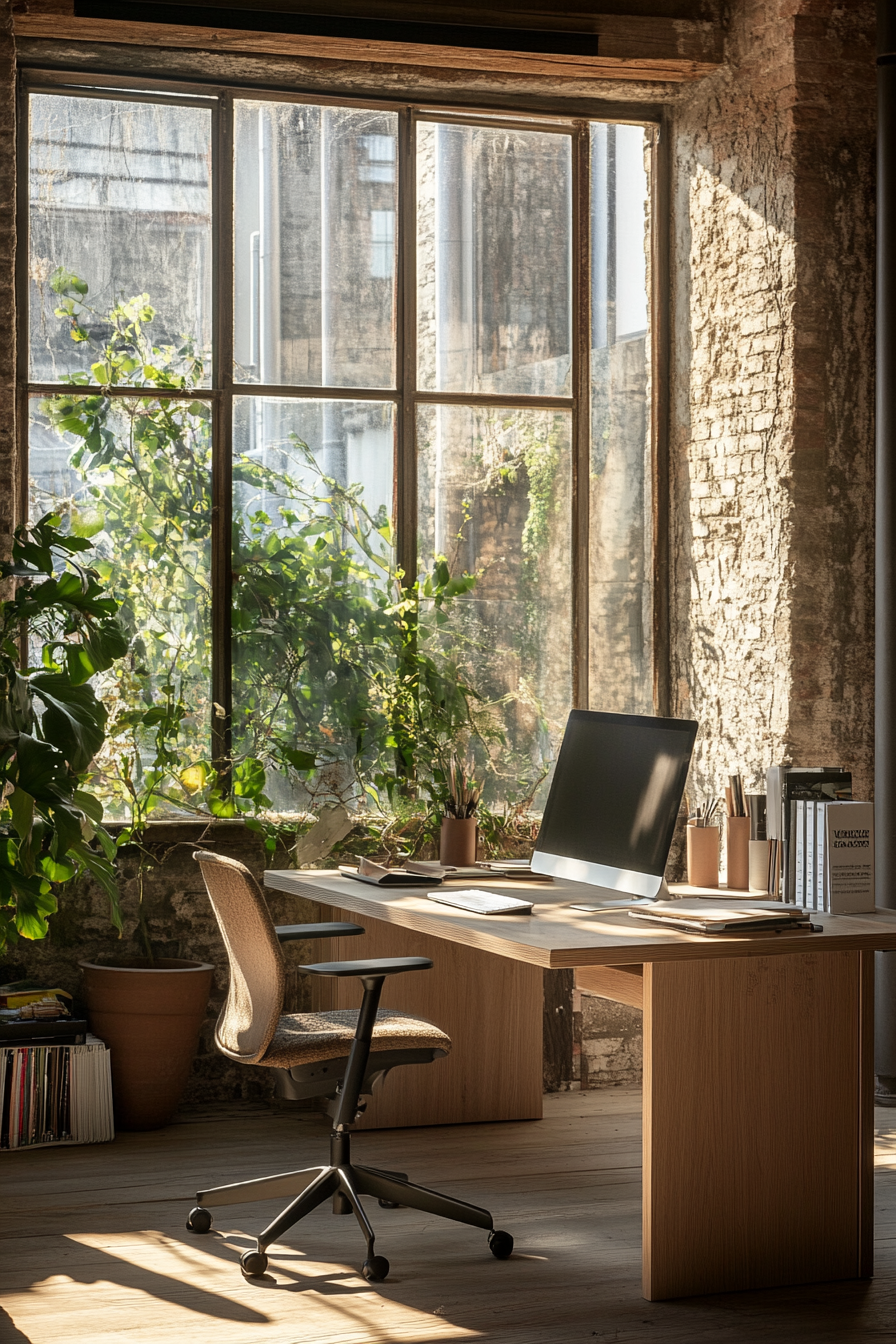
609 1044
832 543
772 434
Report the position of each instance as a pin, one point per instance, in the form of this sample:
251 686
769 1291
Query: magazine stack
55 1094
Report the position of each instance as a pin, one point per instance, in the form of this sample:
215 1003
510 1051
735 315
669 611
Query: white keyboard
482 902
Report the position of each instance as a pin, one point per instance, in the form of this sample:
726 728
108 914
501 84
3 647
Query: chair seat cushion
304 1038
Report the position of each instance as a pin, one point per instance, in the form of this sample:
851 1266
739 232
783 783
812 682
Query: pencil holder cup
457 841
737 847
703 856
759 865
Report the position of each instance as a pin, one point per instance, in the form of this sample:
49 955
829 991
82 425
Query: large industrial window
355 404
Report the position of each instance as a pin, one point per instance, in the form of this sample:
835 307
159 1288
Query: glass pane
134 476
621 613
314 578
494 287
494 501
314 239
120 218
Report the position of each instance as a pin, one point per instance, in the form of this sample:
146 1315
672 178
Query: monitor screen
614 800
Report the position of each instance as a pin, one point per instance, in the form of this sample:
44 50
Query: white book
849 834
820 811
798 839
810 856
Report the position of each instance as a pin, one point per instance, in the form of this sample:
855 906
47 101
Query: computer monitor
614 800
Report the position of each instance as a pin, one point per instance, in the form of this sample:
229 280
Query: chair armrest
289 933
375 966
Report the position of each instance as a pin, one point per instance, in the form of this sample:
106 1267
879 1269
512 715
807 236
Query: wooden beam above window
629 48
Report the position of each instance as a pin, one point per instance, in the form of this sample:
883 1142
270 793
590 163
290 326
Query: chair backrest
249 1018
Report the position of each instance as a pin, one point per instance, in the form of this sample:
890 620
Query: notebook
379 876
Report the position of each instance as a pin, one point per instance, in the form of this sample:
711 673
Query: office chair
339 1054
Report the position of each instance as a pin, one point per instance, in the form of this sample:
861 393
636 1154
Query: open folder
380 876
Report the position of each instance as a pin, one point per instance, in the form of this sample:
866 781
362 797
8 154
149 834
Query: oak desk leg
758 1122
490 1006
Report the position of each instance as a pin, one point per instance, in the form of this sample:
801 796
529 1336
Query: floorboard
95 1252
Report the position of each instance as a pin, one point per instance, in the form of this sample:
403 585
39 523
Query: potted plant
457 839
52 725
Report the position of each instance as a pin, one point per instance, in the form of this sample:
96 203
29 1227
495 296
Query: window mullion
581 428
405 508
222 427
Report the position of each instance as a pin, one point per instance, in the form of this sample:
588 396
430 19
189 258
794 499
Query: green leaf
298 759
21 805
89 805
66 282
55 871
104 872
39 769
73 718
35 903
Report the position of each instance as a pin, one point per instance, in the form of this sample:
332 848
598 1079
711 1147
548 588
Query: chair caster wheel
199 1220
388 1204
376 1269
500 1244
253 1263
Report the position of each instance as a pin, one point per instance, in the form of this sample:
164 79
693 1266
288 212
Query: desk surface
556 936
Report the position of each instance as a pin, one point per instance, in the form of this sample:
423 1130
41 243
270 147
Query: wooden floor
94 1248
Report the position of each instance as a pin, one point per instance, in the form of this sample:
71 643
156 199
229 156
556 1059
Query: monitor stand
620 900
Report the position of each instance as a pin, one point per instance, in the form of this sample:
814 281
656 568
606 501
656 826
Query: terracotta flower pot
149 1015
457 842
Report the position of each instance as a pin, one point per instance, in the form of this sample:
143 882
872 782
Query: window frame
406 396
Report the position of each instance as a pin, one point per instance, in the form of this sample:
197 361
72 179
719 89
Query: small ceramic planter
703 856
457 842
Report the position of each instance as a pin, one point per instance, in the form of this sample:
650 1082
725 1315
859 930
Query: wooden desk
757 1155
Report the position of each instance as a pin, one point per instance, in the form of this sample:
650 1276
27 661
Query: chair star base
345 1183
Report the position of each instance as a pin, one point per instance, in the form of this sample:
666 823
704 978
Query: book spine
773 802
800 848
9 1065
820 812
65 1110
810 855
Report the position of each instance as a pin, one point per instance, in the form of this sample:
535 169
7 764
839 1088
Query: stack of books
834 856
55 1094
33 1015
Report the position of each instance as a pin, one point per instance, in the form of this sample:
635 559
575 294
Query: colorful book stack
55 1094
834 856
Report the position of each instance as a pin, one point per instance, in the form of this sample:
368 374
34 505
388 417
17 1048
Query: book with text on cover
849 858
